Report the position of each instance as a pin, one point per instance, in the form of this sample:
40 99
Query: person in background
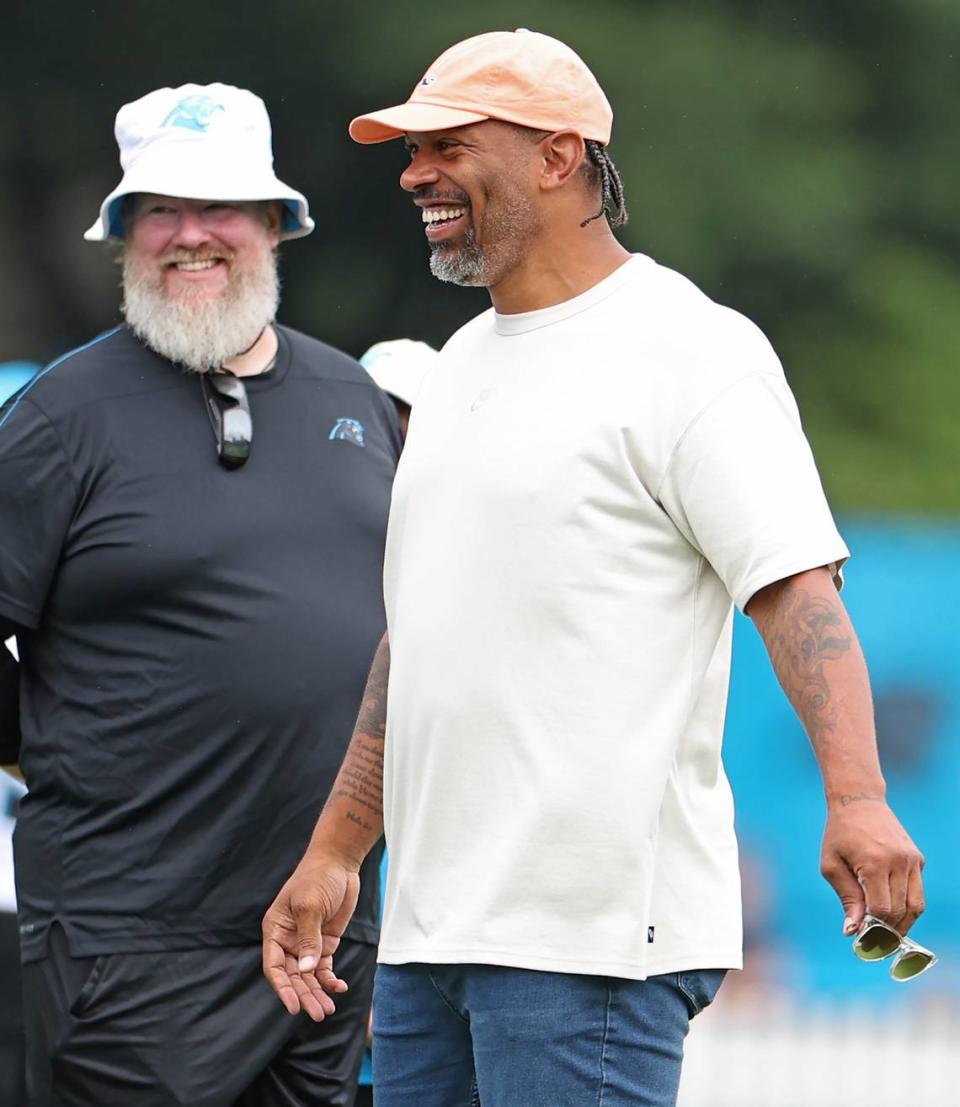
192 516
398 366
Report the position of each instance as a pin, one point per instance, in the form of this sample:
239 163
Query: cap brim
381 126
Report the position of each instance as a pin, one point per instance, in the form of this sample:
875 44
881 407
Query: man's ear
563 154
274 215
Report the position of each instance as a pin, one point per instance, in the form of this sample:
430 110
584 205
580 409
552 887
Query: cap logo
193 112
428 80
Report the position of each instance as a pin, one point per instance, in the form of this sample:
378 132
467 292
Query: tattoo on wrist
847 798
353 817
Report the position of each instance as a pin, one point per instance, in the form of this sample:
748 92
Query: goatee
507 233
463 265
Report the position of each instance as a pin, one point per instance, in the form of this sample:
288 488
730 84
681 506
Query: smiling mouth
195 265
442 215
442 223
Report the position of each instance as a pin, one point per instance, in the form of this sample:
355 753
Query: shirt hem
513 959
34 939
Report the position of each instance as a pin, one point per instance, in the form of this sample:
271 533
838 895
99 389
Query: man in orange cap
597 470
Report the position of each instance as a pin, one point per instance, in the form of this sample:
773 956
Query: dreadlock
599 165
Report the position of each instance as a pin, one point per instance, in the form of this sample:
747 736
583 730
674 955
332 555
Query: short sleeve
743 488
37 502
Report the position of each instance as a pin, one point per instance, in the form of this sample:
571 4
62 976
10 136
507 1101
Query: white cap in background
399 365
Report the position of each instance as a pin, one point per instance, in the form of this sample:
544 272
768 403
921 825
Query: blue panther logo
193 112
347 430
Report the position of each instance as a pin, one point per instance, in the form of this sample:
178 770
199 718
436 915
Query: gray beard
465 266
201 334
508 234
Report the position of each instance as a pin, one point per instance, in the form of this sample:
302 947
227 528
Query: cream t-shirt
583 490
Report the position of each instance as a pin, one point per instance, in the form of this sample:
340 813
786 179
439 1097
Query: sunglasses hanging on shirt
229 410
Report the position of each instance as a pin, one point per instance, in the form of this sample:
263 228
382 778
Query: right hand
301 933
872 864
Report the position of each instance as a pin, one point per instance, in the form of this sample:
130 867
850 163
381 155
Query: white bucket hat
199 142
399 365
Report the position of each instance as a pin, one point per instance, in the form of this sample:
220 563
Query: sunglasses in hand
877 940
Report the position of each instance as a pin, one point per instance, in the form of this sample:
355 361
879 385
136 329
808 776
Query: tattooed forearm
352 818
820 665
361 776
372 719
804 632
359 784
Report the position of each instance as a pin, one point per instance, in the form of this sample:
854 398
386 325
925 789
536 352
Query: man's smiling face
200 277
475 187
195 248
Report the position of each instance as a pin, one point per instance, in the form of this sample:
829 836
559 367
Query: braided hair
600 169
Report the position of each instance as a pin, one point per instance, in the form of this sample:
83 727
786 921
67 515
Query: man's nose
191 230
418 173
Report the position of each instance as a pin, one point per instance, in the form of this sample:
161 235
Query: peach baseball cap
518 76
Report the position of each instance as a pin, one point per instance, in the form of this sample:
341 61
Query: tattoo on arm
847 799
803 633
360 781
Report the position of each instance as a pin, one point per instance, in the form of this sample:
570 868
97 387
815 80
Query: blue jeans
520 1038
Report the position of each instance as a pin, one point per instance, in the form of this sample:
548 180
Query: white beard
195 332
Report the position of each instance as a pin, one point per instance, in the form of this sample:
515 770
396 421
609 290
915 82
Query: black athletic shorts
11 1017
189 1028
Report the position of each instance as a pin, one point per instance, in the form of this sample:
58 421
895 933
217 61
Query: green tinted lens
875 943
909 965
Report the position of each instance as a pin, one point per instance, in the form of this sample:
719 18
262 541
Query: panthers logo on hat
193 112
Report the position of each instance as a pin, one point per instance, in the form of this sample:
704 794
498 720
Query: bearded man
192 516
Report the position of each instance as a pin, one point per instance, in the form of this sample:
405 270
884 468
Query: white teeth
437 215
196 266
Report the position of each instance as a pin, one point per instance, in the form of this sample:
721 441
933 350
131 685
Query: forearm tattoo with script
360 781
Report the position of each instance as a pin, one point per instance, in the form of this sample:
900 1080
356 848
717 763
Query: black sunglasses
229 411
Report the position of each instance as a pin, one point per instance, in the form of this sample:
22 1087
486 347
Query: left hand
872 863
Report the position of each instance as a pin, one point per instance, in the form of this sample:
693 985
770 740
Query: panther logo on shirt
193 112
347 430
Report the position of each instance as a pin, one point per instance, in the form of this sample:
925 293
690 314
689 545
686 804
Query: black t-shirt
194 641
9 708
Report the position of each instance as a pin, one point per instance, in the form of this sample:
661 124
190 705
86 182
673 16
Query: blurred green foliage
797 160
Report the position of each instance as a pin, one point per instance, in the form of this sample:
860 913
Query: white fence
787 1056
